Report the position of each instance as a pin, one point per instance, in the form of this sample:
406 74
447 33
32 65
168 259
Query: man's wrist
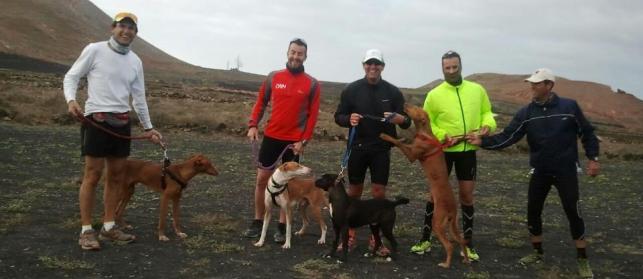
595 159
147 130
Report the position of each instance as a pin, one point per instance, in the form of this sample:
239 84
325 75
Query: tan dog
292 184
428 150
150 175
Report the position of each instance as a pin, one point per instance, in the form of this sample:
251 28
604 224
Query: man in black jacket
372 106
552 125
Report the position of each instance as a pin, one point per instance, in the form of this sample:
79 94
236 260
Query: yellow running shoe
471 253
583 269
421 247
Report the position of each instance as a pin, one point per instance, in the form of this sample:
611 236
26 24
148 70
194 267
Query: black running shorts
465 164
377 160
98 143
271 149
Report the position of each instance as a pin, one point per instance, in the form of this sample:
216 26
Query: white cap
541 75
373 54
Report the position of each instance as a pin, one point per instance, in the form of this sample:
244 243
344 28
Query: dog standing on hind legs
291 184
151 175
428 150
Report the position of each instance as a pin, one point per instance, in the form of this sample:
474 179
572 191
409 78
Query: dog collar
277 185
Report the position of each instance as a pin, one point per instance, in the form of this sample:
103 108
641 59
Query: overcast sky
591 40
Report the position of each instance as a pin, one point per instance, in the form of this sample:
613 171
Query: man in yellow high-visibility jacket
457 107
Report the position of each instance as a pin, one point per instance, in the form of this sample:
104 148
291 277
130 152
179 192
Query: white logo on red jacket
280 86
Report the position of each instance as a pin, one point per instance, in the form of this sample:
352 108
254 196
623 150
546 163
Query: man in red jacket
294 97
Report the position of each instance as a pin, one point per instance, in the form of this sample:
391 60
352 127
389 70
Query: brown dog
428 150
176 178
292 184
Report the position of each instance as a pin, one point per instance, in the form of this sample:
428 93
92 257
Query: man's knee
378 191
355 190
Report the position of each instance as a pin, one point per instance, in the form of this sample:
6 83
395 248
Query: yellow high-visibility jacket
458 110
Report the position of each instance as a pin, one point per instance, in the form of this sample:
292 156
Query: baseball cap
123 15
373 54
540 75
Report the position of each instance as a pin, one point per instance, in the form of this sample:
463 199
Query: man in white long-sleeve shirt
114 73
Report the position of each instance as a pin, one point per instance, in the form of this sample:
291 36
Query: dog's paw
368 255
321 241
163 238
300 232
182 235
258 244
285 246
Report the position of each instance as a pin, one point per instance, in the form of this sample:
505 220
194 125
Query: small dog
347 212
150 174
288 187
428 150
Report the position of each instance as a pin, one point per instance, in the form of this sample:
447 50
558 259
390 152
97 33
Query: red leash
85 120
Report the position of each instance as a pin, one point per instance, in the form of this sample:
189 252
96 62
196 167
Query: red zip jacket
295 105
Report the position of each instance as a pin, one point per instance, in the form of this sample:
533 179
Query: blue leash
347 153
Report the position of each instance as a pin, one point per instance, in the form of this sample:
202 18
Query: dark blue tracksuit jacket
552 131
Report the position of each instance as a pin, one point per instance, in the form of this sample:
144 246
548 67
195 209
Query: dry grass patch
316 269
217 222
64 263
202 243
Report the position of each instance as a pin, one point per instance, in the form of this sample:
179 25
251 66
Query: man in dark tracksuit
372 106
552 125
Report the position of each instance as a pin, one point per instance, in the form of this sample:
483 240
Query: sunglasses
374 62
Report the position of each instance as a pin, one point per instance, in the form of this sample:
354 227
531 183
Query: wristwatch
595 159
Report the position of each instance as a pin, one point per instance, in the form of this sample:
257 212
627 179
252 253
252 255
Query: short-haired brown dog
170 186
428 150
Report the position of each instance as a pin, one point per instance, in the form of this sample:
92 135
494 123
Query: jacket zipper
464 122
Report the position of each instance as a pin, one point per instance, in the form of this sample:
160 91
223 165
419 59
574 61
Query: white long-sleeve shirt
112 78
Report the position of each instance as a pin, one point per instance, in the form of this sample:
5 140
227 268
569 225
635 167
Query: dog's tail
400 200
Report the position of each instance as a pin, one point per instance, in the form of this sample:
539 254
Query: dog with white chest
290 185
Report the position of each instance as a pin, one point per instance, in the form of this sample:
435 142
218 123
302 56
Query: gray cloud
594 40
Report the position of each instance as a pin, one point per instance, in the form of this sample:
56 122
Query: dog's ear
199 162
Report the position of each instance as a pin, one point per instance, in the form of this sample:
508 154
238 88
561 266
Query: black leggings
539 186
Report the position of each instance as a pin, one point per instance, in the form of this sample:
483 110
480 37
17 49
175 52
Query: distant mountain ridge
57 31
48 36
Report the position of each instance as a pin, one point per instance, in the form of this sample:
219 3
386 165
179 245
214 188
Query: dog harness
279 187
431 141
166 171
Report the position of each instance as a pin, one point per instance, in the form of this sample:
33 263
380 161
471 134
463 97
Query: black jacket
552 131
371 101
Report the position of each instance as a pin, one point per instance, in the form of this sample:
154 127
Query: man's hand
484 131
449 141
396 119
298 147
74 110
474 138
355 118
154 136
253 134
593 168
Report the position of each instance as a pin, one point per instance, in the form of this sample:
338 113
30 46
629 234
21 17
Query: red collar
431 141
